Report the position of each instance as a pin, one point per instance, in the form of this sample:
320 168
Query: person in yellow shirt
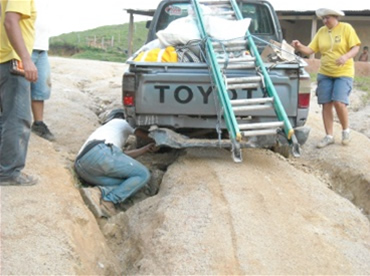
16 43
338 44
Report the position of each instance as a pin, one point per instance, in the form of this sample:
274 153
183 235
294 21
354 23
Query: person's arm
138 152
302 48
14 33
350 54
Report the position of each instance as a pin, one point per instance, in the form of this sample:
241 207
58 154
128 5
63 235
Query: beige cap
324 12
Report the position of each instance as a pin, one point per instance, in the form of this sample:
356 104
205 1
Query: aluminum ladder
217 67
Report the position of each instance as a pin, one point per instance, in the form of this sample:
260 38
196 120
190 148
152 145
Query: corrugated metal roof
352 5
148 12
312 12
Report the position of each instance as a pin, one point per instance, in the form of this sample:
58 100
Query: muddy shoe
42 130
345 137
108 209
100 208
92 197
127 204
152 187
328 140
21 180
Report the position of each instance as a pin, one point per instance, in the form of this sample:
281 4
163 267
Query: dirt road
268 215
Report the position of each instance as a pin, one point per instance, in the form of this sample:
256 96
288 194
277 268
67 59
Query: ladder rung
243 85
243 80
252 101
214 2
259 132
252 107
230 43
221 7
241 65
230 50
239 59
261 125
220 13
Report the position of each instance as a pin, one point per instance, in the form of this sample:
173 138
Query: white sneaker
328 140
345 137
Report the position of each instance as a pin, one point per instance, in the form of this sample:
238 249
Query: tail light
304 100
128 100
304 95
128 89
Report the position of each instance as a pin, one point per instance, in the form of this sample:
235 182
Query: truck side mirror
147 25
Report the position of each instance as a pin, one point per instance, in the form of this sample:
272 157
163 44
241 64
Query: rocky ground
267 215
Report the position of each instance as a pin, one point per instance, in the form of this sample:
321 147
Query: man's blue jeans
117 175
15 122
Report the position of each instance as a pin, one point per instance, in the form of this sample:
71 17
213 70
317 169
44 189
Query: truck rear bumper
172 139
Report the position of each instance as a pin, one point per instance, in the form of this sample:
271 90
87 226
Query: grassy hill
107 43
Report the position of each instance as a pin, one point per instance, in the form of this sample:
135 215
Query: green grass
81 44
363 84
359 83
313 77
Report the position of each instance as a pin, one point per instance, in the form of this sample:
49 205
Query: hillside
107 43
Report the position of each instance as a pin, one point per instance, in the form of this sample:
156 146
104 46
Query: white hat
324 12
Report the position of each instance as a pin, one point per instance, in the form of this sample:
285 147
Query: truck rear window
170 13
260 14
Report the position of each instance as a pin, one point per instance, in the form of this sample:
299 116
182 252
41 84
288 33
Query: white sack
179 31
184 29
223 29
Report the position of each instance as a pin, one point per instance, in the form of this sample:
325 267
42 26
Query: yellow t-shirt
27 10
332 44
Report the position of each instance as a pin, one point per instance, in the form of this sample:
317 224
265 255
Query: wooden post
131 35
313 32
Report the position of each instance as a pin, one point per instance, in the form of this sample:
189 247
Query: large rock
82 89
47 229
262 216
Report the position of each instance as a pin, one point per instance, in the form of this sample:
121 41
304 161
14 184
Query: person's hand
30 70
341 61
296 44
151 147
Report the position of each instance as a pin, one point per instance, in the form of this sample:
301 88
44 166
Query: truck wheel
286 149
283 150
282 146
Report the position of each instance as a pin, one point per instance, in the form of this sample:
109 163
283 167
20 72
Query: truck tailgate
189 92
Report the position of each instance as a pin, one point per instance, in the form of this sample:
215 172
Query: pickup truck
176 102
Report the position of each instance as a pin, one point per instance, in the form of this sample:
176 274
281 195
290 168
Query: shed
303 25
